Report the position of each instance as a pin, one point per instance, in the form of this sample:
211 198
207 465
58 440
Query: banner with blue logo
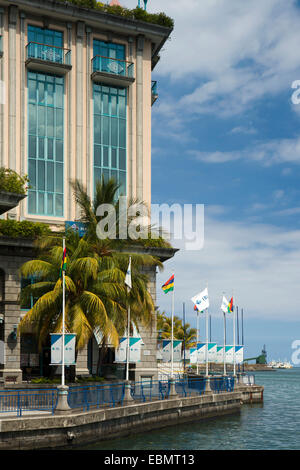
56 349
166 351
135 347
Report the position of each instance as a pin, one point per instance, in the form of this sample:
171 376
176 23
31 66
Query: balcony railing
119 67
154 93
52 54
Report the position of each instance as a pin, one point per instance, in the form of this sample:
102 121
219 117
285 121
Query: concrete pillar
1 93
12 92
62 402
79 100
127 395
70 156
89 124
173 392
139 117
82 362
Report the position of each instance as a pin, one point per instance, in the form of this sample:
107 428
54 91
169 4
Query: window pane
32 173
32 146
50 176
114 132
105 130
50 154
41 175
59 151
122 133
32 202
122 159
41 203
58 205
59 178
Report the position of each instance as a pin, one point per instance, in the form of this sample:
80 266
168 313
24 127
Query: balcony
112 71
43 57
154 94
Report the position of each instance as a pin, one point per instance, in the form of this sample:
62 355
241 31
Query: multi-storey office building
77 92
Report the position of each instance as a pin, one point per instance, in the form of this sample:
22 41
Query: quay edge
79 428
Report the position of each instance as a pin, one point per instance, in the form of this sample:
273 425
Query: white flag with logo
224 305
128 276
201 300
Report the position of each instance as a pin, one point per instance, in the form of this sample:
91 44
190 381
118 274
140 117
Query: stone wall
10 308
80 428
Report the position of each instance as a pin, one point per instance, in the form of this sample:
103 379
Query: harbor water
272 425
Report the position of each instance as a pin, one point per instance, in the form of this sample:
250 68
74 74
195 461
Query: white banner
212 352
56 349
220 355
201 300
166 351
135 347
201 348
193 355
239 354
229 354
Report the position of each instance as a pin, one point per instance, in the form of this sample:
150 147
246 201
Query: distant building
78 92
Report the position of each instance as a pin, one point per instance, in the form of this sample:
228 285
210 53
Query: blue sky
226 134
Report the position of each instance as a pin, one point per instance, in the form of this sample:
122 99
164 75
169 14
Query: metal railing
55 54
107 395
96 396
248 379
222 384
113 66
19 401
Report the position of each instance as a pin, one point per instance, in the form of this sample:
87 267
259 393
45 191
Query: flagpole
172 341
197 340
128 283
234 341
224 352
207 342
128 341
63 323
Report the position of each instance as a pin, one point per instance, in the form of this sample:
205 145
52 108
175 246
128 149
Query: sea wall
61 431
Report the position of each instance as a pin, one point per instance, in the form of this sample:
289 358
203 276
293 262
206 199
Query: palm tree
96 295
181 332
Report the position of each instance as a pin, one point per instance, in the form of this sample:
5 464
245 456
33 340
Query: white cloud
267 153
257 263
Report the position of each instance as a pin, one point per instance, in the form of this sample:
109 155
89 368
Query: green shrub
137 13
23 229
11 182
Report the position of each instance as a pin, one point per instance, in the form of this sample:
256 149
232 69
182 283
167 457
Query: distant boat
280 365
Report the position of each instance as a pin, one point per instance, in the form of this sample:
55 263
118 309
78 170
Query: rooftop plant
23 229
12 182
137 13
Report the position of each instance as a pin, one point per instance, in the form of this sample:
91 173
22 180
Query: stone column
12 91
12 316
139 117
82 362
1 93
148 365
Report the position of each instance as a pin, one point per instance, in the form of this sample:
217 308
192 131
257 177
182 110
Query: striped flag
63 265
169 285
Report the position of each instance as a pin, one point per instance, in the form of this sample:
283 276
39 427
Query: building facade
76 100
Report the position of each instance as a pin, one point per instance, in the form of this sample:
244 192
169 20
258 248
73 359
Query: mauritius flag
169 285
63 265
230 306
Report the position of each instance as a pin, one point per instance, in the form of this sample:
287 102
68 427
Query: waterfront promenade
90 422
